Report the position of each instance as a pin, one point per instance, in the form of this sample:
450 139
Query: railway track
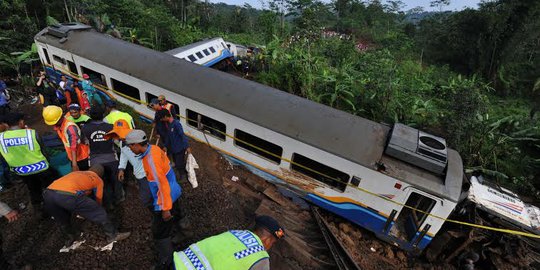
342 257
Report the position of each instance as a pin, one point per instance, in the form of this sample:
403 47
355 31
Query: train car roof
190 46
351 137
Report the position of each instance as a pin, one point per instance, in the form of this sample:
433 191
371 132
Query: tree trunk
67 11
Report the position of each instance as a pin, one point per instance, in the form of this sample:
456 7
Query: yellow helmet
51 115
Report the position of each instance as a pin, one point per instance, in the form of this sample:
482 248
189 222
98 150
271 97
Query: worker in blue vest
238 250
23 152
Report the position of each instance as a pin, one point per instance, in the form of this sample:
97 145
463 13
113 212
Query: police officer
239 250
113 115
22 150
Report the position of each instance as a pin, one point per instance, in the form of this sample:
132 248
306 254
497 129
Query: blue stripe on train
364 217
224 54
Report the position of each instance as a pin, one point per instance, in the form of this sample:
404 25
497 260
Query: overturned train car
361 170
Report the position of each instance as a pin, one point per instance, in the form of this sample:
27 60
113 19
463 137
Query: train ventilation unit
418 148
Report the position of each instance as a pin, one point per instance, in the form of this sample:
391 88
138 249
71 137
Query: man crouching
69 195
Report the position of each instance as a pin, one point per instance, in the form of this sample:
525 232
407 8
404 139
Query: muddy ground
217 205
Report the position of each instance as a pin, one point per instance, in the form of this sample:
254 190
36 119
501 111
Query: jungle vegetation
470 76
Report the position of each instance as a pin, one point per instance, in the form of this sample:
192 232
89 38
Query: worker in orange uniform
69 195
160 194
167 106
70 134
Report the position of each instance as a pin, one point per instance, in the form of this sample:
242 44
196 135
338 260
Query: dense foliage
468 76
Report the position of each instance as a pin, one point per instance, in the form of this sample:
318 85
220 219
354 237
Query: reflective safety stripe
30 139
4 148
201 256
246 252
186 261
194 259
28 169
156 178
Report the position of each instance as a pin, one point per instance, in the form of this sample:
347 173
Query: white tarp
191 165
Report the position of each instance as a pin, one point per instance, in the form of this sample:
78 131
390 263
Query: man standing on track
160 194
23 152
175 142
70 134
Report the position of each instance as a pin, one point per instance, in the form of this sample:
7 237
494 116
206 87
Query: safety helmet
51 115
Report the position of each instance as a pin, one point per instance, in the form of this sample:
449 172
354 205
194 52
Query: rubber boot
165 250
112 234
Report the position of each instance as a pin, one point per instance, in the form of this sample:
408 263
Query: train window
127 90
95 77
319 171
258 146
72 67
212 49
192 58
199 54
205 51
59 59
149 98
409 221
205 123
47 59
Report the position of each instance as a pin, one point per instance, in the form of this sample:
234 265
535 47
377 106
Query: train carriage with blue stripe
369 173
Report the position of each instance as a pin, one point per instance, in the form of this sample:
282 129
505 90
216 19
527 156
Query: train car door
407 226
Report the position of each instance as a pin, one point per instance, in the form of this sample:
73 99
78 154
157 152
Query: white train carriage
205 53
353 167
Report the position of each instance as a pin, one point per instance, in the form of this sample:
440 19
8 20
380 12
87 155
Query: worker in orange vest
167 106
69 195
160 194
70 134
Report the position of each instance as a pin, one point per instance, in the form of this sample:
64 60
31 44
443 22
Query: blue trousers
61 206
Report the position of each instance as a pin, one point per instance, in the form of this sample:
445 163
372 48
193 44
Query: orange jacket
80 182
161 178
70 134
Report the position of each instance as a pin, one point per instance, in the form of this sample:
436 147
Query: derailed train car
361 170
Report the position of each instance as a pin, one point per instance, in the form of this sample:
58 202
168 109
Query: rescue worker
119 132
238 250
11 215
159 126
70 135
23 151
102 152
69 93
46 90
175 142
160 194
76 115
114 115
92 93
69 195
167 106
